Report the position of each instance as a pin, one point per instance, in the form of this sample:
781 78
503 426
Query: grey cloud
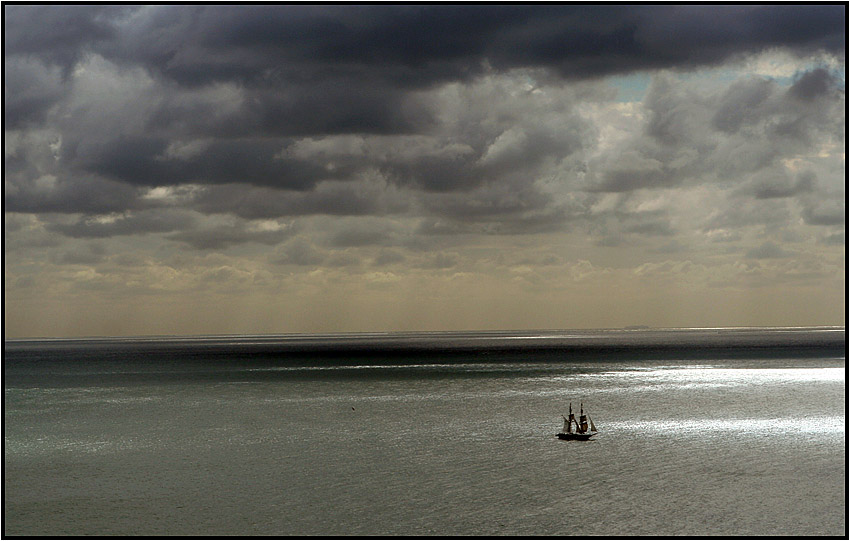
778 184
453 222
388 257
91 254
228 276
128 260
30 88
740 102
159 160
441 226
510 198
31 192
435 173
813 84
222 237
541 261
21 232
836 239
767 250
348 198
672 247
12 223
524 147
440 260
78 258
743 212
299 252
723 236
545 220
362 235
36 181
695 135
145 161
631 171
825 212
138 223
609 241
652 228
614 227
342 259
25 282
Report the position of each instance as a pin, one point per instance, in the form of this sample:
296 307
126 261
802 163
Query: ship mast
583 420
572 420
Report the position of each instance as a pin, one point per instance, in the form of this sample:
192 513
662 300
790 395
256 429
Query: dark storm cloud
338 105
58 34
353 57
416 45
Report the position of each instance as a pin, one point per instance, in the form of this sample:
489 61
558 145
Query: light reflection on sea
429 448
734 427
728 376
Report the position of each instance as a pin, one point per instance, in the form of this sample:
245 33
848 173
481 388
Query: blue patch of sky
633 87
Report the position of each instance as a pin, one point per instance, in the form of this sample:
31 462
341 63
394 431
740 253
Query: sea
701 432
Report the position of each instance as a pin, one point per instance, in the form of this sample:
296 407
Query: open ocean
702 432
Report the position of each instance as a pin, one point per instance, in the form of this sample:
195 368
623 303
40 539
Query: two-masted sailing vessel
582 432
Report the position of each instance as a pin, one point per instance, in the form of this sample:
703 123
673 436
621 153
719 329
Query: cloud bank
418 139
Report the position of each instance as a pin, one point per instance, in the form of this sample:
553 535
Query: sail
592 426
567 427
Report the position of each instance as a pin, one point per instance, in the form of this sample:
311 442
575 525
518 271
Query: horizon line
328 334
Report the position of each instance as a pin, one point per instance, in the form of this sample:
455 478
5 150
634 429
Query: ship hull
574 436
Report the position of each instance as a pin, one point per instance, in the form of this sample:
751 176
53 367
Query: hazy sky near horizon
251 169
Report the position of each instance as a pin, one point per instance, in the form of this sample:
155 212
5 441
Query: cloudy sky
253 169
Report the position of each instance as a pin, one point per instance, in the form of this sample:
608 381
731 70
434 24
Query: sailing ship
582 432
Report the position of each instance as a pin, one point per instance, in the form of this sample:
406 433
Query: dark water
702 432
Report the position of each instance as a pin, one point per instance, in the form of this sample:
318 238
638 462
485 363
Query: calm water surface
423 443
